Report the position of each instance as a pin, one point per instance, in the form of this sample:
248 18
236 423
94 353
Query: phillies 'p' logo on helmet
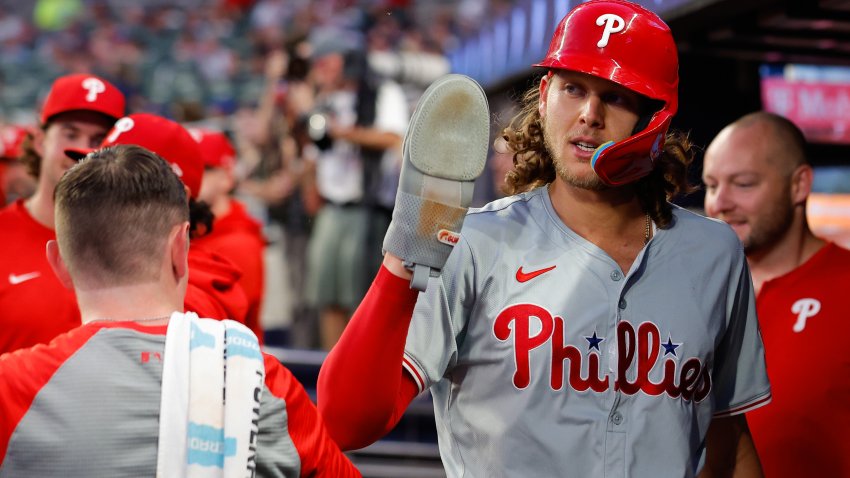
625 43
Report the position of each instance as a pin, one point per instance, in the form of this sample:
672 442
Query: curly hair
533 165
201 218
29 157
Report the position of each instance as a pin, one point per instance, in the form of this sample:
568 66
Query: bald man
758 180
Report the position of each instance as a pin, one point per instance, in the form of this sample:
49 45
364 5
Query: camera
316 124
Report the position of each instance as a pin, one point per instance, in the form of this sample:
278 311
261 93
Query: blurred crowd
192 59
313 95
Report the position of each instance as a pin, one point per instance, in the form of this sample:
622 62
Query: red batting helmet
625 43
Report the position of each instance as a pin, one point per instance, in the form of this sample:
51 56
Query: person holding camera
357 119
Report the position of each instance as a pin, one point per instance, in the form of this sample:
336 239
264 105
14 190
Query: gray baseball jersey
88 403
545 359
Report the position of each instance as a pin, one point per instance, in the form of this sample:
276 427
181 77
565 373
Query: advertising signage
815 98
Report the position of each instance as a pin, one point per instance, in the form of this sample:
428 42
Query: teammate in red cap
34 306
235 234
213 290
584 326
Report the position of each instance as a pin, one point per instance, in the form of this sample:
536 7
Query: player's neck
792 250
613 219
40 206
608 213
131 302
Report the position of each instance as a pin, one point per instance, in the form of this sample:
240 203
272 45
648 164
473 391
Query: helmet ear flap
627 161
649 109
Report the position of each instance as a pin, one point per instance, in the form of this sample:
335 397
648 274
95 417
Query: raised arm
363 389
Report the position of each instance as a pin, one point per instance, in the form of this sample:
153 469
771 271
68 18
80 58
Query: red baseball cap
11 138
162 136
216 149
82 92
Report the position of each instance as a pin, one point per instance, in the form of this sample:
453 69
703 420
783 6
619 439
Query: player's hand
276 64
396 266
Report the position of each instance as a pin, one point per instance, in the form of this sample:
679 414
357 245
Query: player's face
216 184
579 112
327 70
746 190
73 130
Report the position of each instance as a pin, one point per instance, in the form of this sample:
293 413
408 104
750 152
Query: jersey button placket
617 418
616 276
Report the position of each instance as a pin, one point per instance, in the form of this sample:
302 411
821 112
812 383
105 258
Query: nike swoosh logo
527 276
17 279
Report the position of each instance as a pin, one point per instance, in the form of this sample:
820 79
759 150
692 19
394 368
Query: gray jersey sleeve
439 318
740 375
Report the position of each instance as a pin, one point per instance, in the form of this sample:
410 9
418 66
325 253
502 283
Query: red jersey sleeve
23 374
363 389
320 456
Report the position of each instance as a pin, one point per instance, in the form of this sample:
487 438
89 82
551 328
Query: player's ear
38 140
801 184
58 264
544 85
178 249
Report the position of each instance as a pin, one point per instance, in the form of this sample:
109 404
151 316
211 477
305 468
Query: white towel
212 380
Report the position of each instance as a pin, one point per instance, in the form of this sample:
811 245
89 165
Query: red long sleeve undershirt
362 388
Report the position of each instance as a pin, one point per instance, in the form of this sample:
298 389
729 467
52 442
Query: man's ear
801 184
544 85
178 244
58 264
38 140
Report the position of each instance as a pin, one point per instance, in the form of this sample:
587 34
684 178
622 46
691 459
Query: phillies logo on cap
613 24
121 126
94 88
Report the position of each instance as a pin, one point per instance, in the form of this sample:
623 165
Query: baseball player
584 326
102 399
758 179
235 234
213 290
34 306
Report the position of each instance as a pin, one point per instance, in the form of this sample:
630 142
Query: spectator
271 144
363 120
